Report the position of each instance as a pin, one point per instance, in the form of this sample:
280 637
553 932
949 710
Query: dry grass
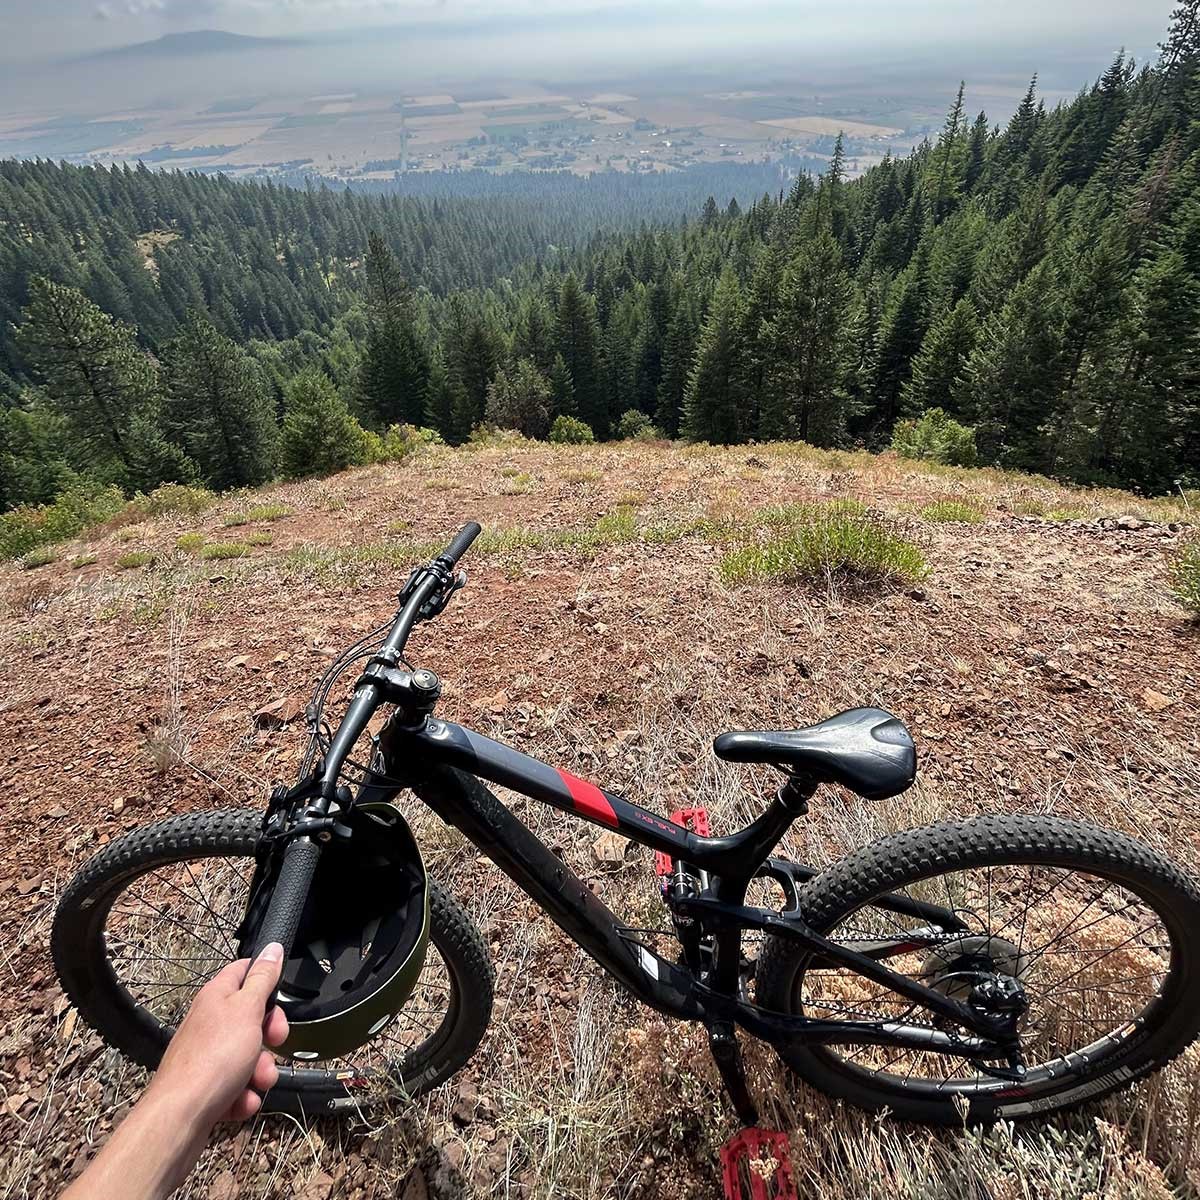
602 640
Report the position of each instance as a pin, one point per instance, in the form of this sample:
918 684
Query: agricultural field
506 126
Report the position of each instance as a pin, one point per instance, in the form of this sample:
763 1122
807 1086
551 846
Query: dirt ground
1042 667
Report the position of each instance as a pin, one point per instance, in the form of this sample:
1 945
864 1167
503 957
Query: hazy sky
419 43
47 28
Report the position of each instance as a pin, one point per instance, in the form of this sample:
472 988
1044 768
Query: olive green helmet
362 939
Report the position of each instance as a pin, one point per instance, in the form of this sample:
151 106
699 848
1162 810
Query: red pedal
695 819
756 1164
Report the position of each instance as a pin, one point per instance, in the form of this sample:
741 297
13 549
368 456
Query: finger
264 973
244 1107
228 979
275 1027
266 1073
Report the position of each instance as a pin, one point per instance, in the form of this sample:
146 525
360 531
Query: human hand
216 1062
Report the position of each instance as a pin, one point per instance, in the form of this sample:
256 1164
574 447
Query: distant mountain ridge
178 45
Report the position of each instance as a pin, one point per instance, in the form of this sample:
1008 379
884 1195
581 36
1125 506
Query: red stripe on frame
589 800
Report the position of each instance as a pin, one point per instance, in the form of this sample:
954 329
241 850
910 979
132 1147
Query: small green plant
399 441
189 543
225 550
569 431
517 484
134 558
234 520
582 476
937 437
955 512
259 537
39 556
1183 574
79 507
83 560
636 426
859 549
268 512
171 499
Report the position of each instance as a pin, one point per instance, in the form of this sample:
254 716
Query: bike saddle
864 749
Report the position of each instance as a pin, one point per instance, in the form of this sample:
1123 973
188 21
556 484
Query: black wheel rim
169 927
1096 956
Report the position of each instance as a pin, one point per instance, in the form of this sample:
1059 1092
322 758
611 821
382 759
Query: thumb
264 972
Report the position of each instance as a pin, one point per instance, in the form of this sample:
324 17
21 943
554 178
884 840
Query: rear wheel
146 922
1099 931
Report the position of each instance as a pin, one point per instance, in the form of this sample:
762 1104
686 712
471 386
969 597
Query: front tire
145 922
1115 991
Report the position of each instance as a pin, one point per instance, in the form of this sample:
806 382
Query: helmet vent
325 965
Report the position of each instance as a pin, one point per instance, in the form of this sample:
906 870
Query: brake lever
438 601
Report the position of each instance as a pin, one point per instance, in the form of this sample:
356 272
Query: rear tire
79 943
843 893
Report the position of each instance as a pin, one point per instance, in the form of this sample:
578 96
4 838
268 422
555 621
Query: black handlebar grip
461 544
287 900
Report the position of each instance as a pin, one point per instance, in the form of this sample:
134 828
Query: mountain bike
999 967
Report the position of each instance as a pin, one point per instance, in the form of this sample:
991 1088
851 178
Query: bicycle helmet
360 945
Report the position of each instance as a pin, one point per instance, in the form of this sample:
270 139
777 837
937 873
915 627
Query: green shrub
399 441
83 560
79 507
268 512
40 556
259 537
189 542
1183 574
937 437
953 512
225 550
234 519
172 499
636 426
837 543
568 431
318 435
134 558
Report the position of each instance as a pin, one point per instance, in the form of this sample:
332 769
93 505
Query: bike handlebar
461 544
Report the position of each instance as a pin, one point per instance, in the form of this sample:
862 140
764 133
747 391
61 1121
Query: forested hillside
1039 283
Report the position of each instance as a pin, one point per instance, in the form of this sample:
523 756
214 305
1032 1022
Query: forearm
149 1154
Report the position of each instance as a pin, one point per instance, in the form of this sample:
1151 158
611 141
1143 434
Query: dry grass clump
1183 574
134 558
39 556
834 543
955 512
189 543
220 550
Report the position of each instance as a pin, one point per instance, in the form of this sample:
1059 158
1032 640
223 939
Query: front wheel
1101 934
148 920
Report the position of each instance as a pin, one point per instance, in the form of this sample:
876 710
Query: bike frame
444 763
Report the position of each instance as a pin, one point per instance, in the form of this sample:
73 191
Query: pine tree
101 383
218 408
519 398
807 339
318 434
1012 380
715 394
938 366
678 354
579 345
562 390
440 397
946 177
395 367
